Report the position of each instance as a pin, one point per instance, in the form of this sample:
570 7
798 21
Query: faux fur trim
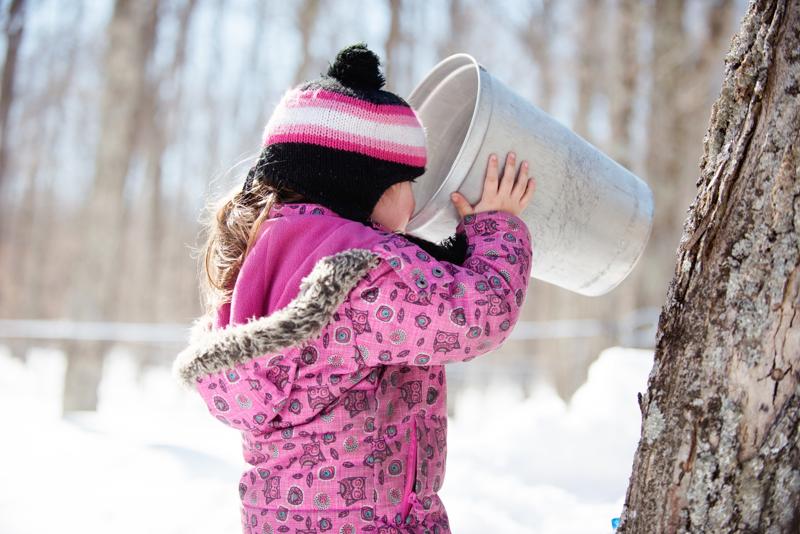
322 291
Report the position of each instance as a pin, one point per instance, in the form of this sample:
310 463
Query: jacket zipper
411 468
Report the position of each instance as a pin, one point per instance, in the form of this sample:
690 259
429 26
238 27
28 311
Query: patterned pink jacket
330 361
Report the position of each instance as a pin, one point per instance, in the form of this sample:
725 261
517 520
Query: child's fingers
529 189
490 182
521 182
507 181
462 206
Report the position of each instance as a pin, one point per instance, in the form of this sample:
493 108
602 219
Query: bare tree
720 443
172 271
666 146
565 361
131 32
393 41
35 214
307 18
13 30
537 35
625 65
589 67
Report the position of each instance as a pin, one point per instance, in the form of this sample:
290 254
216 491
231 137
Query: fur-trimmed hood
321 293
264 316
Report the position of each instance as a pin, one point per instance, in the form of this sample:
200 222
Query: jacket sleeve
416 310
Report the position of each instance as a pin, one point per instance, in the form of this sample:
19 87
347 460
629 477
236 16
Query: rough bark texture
719 450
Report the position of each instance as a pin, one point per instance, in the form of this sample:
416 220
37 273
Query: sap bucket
589 218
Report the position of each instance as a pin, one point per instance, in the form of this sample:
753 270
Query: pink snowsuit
329 360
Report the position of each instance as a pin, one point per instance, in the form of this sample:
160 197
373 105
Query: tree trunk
14 27
537 36
394 39
456 38
250 87
131 32
163 298
307 19
720 445
666 148
588 65
623 80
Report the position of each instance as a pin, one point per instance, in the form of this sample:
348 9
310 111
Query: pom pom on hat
356 66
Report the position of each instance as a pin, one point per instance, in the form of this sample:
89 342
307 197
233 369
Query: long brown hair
232 223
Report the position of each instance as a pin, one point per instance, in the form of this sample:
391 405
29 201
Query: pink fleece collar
271 274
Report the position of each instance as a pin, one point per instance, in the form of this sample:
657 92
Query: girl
328 328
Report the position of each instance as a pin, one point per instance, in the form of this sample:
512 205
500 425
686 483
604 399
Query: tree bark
393 41
565 361
720 442
456 38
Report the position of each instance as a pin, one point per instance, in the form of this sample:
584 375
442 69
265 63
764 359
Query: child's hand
507 195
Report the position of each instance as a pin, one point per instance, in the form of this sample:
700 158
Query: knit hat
340 140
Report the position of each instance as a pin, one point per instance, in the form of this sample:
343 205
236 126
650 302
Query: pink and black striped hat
340 140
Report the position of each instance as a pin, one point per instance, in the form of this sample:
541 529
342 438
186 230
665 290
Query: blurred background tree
119 118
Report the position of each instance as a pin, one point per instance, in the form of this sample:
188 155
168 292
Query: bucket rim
476 129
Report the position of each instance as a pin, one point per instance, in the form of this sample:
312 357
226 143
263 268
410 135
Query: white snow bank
153 460
538 465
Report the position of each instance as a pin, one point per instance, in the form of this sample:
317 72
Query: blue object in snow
614 522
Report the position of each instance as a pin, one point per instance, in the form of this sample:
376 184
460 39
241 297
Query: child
327 328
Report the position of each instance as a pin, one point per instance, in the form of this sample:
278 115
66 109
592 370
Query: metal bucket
589 218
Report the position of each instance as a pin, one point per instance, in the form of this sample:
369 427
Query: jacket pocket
409 492
430 453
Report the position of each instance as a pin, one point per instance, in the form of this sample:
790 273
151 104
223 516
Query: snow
152 458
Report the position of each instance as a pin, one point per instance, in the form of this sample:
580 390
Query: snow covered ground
151 459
